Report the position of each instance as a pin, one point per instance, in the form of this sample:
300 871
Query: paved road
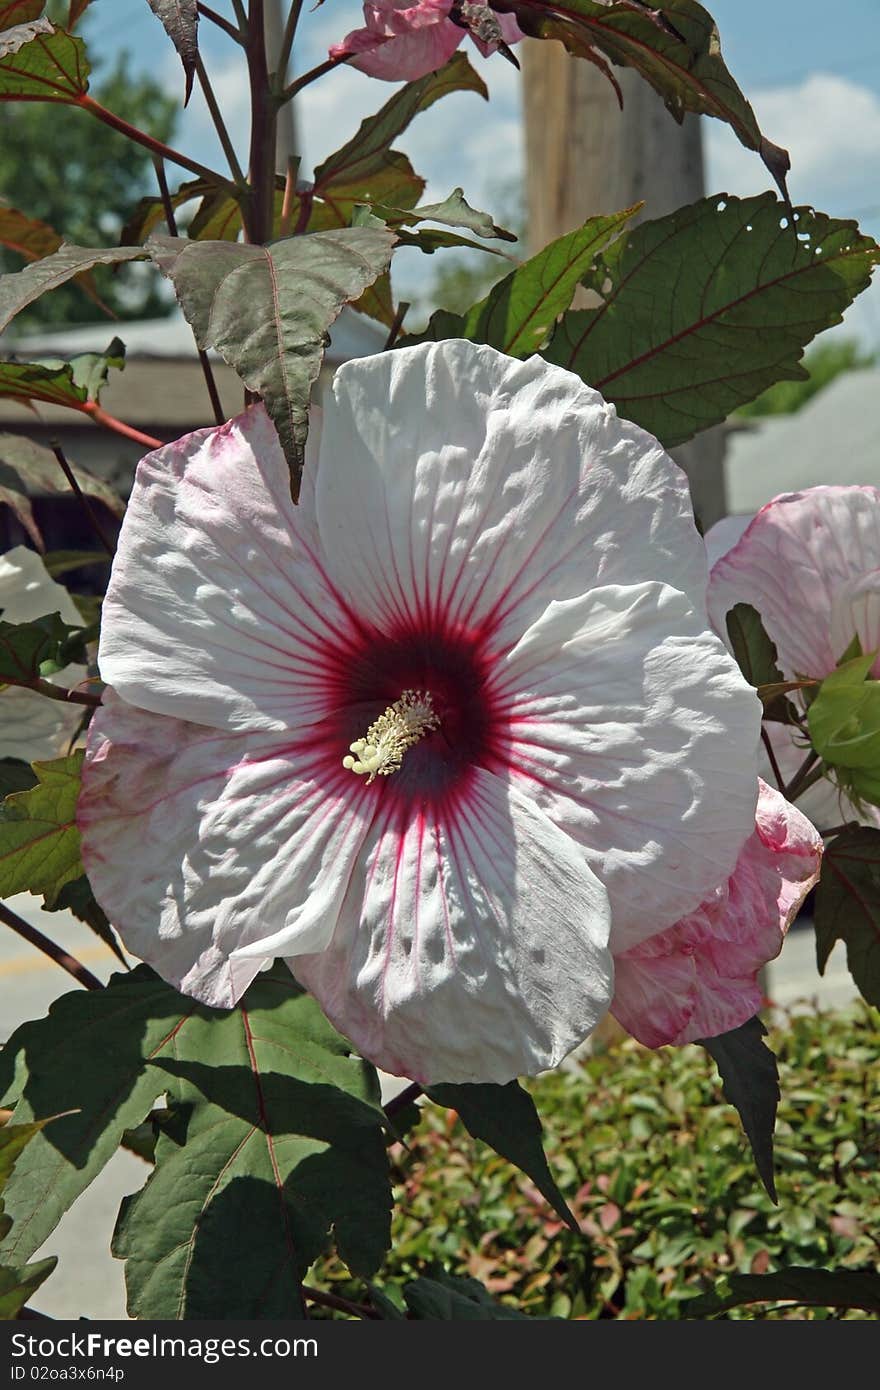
88 1280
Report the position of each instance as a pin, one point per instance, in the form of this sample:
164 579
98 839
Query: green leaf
756 656
149 212
750 1081
180 20
367 153
33 239
18 1283
454 211
39 840
844 717
519 313
40 63
15 776
817 1288
27 469
266 309
276 1136
703 309
22 287
39 648
675 47
77 897
505 1118
848 906
449 1298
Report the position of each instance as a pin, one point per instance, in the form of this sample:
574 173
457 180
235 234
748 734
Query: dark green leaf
848 906
29 381
39 648
703 309
15 776
454 211
39 840
449 1298
519 313
180 20
27 469
505 1118
60 562
755 653
750 1081
274 1137
22 287
251 304
283 1140
39 63
77 897
368 152
818 1288
149 212
17 1285
675 47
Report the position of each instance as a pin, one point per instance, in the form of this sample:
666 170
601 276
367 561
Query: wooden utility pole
586 156
286 144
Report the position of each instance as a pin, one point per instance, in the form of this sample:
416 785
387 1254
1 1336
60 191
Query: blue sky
811 71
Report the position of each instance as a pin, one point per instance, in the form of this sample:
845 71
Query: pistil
404 723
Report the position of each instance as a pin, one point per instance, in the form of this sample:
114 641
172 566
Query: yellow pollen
381 751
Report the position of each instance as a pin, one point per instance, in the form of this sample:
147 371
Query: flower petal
632 728
402 41
473 489
217 610
213 852
700 978
470 947
28 591
793 564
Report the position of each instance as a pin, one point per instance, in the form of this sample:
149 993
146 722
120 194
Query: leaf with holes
505 1118
675 47
39 839
275 1136
21 288
813 1288
518 314
848 907
41 63
701 310
267 309
180 20
29 470
750 1082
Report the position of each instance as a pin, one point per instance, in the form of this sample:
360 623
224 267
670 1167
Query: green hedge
656 1169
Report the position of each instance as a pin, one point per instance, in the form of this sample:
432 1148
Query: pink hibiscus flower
415 734
402 41
810 564
700 978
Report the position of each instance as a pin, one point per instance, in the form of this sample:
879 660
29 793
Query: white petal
212 852
632 727
473 488
34 728
471 945
217 611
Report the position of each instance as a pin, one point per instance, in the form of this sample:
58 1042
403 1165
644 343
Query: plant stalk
36 938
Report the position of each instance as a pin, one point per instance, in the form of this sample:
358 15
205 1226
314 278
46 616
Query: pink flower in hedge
402 40
700 977
398 734
810 564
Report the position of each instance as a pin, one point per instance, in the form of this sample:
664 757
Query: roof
352 335
834 438
162 389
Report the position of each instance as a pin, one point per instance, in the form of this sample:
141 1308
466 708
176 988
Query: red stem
140 137
110 422
264 117
42 943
